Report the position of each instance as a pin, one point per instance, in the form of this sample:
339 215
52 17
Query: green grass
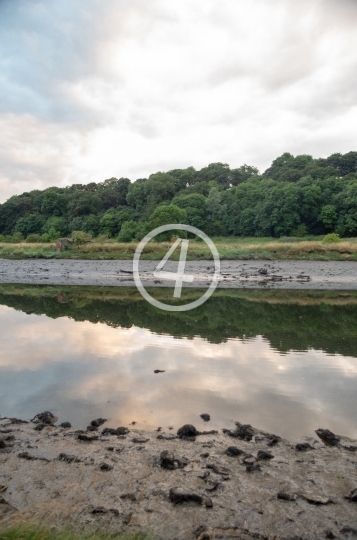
230 248
29 531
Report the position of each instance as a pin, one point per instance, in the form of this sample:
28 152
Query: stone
65 425
98 422
285 496
159 371
352 496
45 418
245 432
303 447
167 437
314 498
167 460
87 438
206 417
187 431
233 451
2 443
140 440
117 431
262 455
68 458
328 437
62 244
179 495
105 466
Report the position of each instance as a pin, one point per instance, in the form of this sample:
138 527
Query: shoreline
260 274
242 483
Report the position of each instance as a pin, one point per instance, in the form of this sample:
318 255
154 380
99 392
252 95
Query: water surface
282 361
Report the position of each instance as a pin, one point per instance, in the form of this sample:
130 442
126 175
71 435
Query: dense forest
296 196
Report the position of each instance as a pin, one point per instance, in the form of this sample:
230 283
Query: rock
68 458
128 496
351 531
92 428
140 440
87 438
103 510
243 431
180 495
65 425
353 495
117 431
45 418
262 455
40 427
17 421
329 534
62 244
3 489
187 432
313 498
328 437
206 417
263 271
167 437
249 460
233 451
2 443
285 496
303 447
159 371
105 466
253 467
167 460
218 469
98 422
204 455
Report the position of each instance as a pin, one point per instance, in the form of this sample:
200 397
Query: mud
243 483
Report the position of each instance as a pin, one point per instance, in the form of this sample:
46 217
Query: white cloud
127 88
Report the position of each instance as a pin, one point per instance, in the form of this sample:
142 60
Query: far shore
259 274
229 248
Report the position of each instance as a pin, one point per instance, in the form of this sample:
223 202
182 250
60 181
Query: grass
30 531
231 248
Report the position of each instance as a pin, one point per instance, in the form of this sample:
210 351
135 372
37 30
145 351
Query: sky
91 90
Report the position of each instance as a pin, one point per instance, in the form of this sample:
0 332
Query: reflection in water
283 363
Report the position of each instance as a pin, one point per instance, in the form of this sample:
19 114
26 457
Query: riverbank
238 483
311 275
230 248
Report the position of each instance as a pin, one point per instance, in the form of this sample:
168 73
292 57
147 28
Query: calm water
281 361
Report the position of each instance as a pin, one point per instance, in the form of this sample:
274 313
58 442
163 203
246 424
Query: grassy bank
230 248
30 531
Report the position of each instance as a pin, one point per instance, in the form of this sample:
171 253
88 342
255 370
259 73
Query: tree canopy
296 195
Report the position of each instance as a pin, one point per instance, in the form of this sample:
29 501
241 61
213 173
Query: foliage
296 195
331 238
80 237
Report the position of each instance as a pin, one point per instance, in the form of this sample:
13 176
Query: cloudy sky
92 89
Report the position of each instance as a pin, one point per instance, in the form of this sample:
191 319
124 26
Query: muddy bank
239 483
323 275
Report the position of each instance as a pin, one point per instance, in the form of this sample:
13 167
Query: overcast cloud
91 89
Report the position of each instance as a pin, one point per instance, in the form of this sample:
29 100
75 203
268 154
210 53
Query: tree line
296 196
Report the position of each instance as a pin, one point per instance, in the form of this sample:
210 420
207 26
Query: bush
331 238
17 237
80 237
128 231
33 238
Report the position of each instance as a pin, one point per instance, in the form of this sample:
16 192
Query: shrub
17 237
80 237
331 238
33 238
128 231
